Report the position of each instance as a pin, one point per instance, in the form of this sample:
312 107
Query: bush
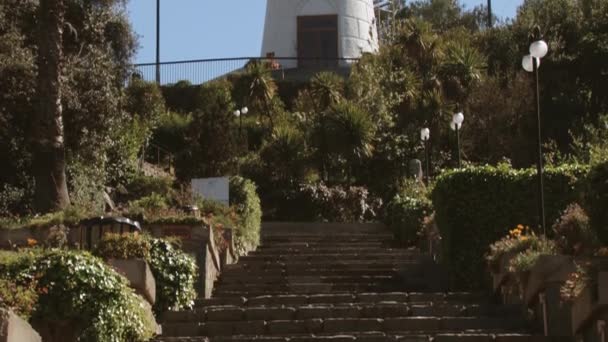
474 205
596 200
525 260
153 202
245 199
124 246
77 287
573 233
17 297
141 186
175 273
319 202
405 215
516 241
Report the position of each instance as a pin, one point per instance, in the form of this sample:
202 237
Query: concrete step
329 264
324 311
305 288
332 279
346 298
379 337
343 325
391 271
279 249
325 257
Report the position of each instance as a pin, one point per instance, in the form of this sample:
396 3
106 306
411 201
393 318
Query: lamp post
425 136
531 63
456 125
239 114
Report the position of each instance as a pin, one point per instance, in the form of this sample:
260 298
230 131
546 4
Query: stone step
380 337
278 249
343 325
307 288
324 311
326 257
332 279
381 243
329 264
346 298
392 271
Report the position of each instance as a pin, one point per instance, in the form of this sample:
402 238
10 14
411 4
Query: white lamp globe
458 118
527 63
245 110
454 125
425 134
539 49
237 113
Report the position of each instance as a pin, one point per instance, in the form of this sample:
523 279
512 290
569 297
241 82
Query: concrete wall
357 31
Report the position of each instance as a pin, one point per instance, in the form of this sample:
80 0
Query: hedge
596 200
174 271
244 197
405 217
77 287
476 206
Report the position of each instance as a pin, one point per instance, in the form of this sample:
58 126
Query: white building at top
322 29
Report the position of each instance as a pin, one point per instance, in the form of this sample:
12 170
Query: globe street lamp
531 63
456 125
239 114
425 136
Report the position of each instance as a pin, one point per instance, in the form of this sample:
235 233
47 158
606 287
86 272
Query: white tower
324 29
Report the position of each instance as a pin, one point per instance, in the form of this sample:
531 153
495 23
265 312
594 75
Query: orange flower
31 242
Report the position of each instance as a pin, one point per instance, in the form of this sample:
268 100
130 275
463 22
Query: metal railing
205 70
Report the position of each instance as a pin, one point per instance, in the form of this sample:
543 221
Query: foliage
596 200
525 260
123 246
77 287
326 90
175 273
576 283
211 135
320 202
473 205
153 202
21 299
406 214
141 186
244 198
284 156
518 240
573 233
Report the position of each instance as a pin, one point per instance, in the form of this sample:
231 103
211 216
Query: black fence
205 70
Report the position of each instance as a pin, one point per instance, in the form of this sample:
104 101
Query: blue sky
197 29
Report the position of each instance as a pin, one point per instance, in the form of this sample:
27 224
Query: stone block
15 329
224 314
139 274
335 325
269 314
412 324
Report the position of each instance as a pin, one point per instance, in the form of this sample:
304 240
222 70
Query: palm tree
261 88
326 89
463 67
51 192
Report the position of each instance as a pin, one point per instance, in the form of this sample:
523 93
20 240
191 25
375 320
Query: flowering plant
519 239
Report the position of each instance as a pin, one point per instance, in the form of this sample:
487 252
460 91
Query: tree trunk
51 191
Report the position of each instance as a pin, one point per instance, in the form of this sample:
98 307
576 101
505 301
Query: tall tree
51 192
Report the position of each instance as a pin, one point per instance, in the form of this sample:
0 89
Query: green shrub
573 233
405 216
245 199
123 246
596 200
175 273
141 186
475 206
151 202
525 260
77 287
21 299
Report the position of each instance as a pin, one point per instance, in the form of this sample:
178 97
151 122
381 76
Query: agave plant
326 89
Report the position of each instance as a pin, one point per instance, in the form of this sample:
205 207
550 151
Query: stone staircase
340 283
